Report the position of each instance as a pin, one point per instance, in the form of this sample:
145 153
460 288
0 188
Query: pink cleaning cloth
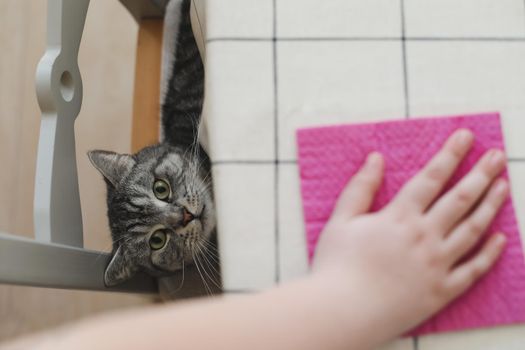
330 156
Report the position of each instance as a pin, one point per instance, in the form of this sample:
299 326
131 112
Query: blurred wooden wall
107 58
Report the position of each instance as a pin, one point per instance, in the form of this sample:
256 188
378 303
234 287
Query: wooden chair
56 258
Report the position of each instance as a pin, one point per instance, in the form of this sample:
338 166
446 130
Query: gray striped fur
134 212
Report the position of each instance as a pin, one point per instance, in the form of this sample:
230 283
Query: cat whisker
206 287
205 254
172 293
206 271
213 257
211 254
211 248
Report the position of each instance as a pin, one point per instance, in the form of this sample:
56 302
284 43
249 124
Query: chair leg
146 99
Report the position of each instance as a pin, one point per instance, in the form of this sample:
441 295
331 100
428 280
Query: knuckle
434 259
418 235
436 174
464 197
478 269
456 153
474 228
440 290
365 180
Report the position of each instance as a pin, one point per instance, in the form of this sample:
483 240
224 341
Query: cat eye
158 240
161 189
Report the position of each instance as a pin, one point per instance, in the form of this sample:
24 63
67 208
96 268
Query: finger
458 201
358 195
421 190
468 233
463 276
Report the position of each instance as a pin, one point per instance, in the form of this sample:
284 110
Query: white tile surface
292 241
239 96
244 197
457 77
327 82
517 180
465 18
245 18
338 18
336 82
501 338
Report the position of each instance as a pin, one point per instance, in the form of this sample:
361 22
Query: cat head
160 209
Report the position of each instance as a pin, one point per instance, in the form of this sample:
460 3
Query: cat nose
187 217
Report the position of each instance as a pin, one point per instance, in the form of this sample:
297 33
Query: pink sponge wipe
329 157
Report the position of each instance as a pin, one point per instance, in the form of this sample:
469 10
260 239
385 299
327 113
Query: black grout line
354 38
241 161
294 161
415 342
276 143
404 54
239 291
515 160
371 39
253 162
487 39
223 39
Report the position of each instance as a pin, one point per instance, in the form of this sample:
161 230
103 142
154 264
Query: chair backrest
56 257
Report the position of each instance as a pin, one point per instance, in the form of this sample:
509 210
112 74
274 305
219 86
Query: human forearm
311 313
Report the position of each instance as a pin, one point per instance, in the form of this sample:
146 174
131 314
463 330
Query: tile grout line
253 161
276 144
415 339
367 39
404 54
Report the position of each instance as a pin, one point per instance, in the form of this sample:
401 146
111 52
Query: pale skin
374 276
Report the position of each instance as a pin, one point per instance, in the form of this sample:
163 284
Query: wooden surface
146 101
107 59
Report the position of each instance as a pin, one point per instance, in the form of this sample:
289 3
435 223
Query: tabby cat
160 203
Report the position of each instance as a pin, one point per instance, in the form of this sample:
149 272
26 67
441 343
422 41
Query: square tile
468 77
465 18
293 261
508 338
336 82
244 197
399 344
239 18
239 102
338 18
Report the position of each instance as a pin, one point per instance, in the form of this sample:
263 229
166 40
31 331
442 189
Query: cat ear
118 270
112 166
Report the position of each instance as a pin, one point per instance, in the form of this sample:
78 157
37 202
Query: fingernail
373 160
501 187
500 239
496 157
463 137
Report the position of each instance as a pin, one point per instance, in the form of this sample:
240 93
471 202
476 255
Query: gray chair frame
56 257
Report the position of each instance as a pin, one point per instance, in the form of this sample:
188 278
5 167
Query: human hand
405 262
